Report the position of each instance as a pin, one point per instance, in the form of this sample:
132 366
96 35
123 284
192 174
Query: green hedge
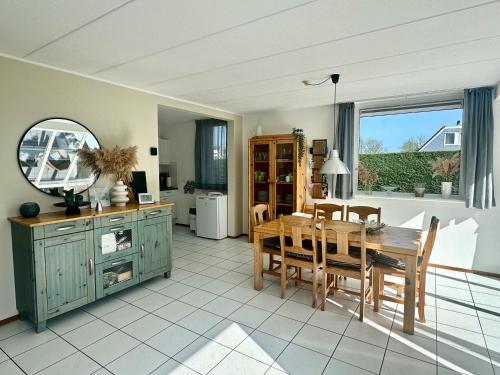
405 169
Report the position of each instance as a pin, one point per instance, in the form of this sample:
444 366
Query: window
397 146
452 139
211 154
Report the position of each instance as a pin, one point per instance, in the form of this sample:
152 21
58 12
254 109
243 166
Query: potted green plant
446 168
301 147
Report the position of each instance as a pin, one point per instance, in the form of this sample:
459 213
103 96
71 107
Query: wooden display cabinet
275 176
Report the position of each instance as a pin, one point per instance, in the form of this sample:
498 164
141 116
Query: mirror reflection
48 156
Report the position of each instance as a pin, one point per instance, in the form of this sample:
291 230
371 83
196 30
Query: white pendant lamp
333 165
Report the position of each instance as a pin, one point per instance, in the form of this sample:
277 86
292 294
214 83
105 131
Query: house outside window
396 146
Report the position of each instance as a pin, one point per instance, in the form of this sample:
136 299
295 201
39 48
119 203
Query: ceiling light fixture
333 165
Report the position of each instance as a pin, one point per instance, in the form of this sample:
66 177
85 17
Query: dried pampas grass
117 161
446 167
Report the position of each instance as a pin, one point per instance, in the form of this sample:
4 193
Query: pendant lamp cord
334 117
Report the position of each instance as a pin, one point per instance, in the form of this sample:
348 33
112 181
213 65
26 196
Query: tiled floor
208 319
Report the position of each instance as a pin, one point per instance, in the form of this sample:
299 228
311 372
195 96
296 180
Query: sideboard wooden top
85 213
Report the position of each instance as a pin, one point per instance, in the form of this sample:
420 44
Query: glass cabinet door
261 173
116 275
285 175
115 241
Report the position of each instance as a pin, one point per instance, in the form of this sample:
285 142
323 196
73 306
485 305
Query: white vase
259 130
446 189
119 194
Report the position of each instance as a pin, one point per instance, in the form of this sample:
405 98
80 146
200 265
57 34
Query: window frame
455 102
456 139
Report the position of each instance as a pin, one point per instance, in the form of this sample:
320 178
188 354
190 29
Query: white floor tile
176 290
249 316
217 287
179 274
280 326
263 347
165 344
336 367
463 321
295 310
327 320
228 333
197 280
158 283
3 356
44 355
110 347
123 316
198 298
133 294
317 339
89 333
366 356
172 367
202 355
75 364
396 364
213 272
196 266
266 302
146 327
140 360
222 306
239 364
9 368
415 346
13 328
152 302
24 341
200 321
104 306
298 360
374 329
241 294
463 360
69 321
174 311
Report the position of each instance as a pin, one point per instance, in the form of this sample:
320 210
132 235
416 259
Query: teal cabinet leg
41 326
23 316
166 275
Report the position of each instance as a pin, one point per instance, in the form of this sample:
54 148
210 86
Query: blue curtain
211 154
344 143
477 148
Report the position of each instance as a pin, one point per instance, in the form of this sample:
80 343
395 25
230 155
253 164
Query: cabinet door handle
67 227
91 266
113 219
154 212
116 229
118 262
142 250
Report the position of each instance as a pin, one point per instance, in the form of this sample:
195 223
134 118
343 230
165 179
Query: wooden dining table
400 243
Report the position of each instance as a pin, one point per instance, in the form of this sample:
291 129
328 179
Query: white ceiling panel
317 61
144 27
26 25
297 28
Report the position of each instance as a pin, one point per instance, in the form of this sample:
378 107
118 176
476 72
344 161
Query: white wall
115 114
468 238
182 138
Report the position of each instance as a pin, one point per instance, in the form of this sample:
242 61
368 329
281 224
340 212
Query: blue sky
393 130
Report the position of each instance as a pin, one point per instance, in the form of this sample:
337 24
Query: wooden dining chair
296 254
363 212
345 260
327 210
384 265
308 209
261 214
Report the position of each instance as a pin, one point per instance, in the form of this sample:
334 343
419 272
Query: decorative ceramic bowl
29 209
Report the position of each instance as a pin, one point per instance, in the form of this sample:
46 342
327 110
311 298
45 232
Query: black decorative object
29 209
300 137
153 151
72 202
189 187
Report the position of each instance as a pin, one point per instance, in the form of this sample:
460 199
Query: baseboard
8 320
238 236
182 225
476 272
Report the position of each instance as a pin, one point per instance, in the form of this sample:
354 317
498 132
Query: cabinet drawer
155 212
116 219
115 241
116 275
60 229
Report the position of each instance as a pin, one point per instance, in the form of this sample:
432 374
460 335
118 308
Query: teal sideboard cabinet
64 262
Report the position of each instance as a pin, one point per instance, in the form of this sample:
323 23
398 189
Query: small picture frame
145 198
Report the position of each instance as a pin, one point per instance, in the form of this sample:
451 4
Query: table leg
257 261
410 294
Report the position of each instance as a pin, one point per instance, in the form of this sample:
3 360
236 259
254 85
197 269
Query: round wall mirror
48 158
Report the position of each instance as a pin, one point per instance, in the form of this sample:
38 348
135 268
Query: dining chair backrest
308 209
342 231
327 210
296 228
260 214
363 212
429 244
